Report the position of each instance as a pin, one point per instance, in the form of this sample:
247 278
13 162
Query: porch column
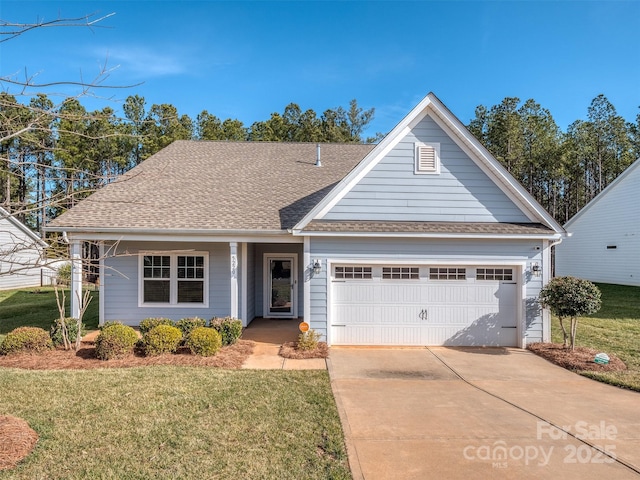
76 277
233 248
101 298
306 261
245 281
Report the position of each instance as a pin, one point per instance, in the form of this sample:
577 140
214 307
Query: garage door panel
424 312
400 314
404 336
353 314
353 335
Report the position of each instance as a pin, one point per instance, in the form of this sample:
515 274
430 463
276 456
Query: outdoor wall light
317 267
536 270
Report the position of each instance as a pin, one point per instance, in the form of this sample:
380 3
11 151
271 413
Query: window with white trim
427 158
174 279
401 273
494 273
447 273
352 272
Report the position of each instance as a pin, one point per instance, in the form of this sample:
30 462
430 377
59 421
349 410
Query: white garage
424 305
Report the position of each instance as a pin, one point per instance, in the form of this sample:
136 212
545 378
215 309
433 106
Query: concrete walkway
480 413
269 335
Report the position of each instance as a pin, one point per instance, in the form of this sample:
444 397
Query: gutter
155 231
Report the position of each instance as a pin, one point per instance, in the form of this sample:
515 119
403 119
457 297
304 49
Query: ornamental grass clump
115 341
26 340
161 339
308 340
204 341
149 323
229 329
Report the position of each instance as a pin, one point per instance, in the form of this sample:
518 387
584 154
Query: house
423 239
21 254
605 235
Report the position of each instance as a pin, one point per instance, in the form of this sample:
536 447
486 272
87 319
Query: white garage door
422 305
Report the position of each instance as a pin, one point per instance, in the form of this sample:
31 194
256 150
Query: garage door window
401 273
352 272
494 274
447 273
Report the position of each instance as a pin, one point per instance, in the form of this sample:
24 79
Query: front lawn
614 329
36 307
176 422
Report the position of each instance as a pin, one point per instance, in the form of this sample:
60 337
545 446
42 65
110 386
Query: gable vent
427 158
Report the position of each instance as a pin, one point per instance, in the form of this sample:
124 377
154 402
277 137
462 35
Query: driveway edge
352 453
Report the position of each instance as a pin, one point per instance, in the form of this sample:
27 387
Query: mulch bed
232 356
290 350
17 440
581 359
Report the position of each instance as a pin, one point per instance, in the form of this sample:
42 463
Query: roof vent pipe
318 162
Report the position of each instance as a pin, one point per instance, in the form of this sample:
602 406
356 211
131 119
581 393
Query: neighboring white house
605 242
21 253
423 239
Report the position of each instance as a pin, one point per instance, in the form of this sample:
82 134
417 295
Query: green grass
36 307
614 329
176 422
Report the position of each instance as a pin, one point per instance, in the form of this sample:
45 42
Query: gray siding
401 250
612 220
121 283
460 193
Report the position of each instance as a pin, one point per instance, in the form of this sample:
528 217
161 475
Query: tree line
53 155
562 170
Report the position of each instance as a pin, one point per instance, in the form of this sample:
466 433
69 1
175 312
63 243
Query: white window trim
173 279
436 147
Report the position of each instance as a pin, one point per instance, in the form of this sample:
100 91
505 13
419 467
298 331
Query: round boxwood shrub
186 325
72 330
115 340
204 341
149 323
161 339
26 339
229 329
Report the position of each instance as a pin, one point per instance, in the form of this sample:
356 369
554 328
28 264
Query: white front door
280 285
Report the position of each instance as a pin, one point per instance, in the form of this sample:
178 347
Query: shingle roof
196 185
428 227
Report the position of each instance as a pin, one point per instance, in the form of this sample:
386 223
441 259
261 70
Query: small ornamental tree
570 297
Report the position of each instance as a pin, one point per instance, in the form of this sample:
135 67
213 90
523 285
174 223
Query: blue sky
246 59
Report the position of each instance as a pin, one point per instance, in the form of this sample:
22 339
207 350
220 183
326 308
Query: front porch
249 280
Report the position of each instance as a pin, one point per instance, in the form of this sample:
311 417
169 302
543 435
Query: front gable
450 187
429 168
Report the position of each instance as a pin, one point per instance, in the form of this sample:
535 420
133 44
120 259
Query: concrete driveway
448 413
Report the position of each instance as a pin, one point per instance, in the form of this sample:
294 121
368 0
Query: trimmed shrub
229 329
204 341
26 339
72 330
161 339
148 324
186 325
115 340
308 340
